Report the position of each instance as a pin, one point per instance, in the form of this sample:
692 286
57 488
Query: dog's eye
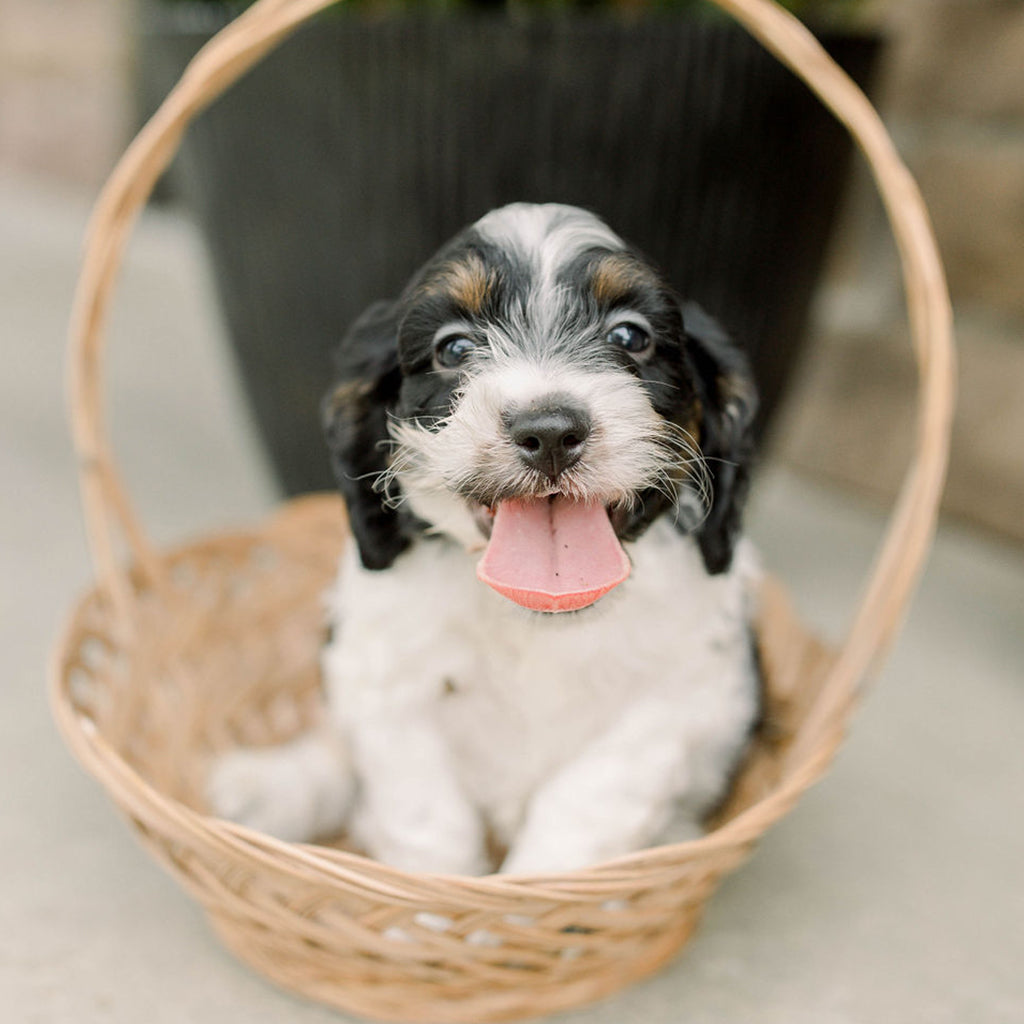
453 350
632 337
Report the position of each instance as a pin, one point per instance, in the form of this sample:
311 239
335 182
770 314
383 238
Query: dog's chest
516 695
532 695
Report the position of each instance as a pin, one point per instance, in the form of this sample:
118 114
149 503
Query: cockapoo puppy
542 638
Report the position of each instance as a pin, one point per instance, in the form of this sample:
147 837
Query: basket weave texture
192 651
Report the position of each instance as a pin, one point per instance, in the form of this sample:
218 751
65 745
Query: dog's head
535 357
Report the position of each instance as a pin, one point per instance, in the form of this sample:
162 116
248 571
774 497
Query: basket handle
110 520
109 516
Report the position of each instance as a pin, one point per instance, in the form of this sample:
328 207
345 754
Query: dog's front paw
537 860
295 792
444 838
437 860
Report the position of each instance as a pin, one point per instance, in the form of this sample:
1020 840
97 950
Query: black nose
550 438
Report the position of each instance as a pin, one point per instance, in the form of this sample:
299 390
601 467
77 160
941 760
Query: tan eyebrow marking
615 278
466 281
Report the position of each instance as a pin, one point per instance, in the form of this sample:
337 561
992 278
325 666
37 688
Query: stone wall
65 97
953 98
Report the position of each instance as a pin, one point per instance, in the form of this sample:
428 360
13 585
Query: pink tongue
552 555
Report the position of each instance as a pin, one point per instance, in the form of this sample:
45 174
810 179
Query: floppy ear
729 403
355 418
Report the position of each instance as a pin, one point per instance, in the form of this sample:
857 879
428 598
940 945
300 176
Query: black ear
729 403
355 418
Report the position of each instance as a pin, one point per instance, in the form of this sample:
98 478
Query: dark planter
325 176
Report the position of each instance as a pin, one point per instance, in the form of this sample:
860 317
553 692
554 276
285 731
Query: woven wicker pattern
191 651
226 653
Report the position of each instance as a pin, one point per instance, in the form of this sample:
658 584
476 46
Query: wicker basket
192 651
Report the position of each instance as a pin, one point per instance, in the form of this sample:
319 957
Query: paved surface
894 892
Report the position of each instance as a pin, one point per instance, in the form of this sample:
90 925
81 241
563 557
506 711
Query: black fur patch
355 415
729 400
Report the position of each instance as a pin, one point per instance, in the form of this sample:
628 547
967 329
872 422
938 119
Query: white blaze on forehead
548 235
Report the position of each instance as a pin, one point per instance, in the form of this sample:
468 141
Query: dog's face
537 356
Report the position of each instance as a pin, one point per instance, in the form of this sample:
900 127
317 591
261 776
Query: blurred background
951 86
895 891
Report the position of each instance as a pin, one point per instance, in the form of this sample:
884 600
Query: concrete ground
894 892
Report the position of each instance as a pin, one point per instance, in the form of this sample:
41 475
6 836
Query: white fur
549 235
296 792
575 738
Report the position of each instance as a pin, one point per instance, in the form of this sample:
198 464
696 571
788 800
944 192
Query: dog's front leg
385 679
411 811
616 796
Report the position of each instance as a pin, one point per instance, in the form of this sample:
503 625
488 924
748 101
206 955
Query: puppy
542 636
